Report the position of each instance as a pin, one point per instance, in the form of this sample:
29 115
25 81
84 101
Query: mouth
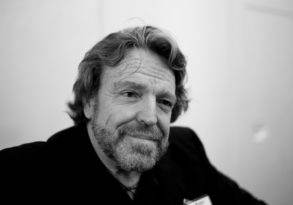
143 137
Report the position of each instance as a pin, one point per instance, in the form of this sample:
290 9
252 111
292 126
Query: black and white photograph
146 102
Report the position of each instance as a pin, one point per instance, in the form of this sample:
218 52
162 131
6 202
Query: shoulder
188 153
21 153
183 135
66 137
33 151
185 140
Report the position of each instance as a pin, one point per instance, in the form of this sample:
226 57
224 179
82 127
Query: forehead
144 67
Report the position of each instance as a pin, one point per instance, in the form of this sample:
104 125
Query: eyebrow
128 84
140 87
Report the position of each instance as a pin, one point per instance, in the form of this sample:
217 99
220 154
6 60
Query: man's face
130 116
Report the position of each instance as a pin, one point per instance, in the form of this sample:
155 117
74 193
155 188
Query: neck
128 179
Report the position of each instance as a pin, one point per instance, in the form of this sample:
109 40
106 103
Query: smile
143 137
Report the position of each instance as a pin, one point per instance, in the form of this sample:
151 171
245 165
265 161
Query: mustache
150 133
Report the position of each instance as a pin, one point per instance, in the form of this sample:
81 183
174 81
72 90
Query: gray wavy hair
111 50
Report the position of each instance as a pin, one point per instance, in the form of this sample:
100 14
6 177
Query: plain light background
240 57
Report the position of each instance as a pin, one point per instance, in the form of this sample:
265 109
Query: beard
132 148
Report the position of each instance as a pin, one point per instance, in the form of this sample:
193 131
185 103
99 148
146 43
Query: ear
88 108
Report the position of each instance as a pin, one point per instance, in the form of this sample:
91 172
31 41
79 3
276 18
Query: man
122 149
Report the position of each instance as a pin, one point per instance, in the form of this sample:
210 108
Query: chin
137 157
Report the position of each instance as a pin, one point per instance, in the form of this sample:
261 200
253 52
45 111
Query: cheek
114 118
164 123
110 115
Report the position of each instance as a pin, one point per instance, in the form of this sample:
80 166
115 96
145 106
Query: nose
147 113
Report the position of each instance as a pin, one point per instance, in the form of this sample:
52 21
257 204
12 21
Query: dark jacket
67 169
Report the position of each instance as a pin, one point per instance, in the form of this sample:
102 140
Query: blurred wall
240 57
42 43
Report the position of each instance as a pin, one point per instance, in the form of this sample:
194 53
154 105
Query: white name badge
204 200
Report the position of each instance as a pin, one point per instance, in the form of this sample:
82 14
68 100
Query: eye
165 104
130 94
